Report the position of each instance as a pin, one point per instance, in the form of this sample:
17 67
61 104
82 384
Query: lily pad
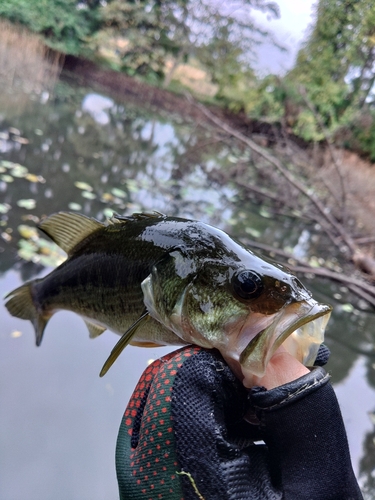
7 164
118 192
29 203
347 308
6 236
75 206
108 212
40 251
19 171
35 178
88 195
7 178
106 197
265 213
83 185
28 232
4 208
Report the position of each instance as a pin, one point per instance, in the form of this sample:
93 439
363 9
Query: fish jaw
299 326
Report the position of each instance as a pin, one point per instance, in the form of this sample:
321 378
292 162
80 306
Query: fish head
248 312
243 305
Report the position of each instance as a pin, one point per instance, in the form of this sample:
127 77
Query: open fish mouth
299 327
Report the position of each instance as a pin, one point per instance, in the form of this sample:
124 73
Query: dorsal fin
67 229
117 218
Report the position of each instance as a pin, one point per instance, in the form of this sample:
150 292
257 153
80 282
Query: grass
26 64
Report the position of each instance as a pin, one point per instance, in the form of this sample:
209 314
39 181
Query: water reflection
87 152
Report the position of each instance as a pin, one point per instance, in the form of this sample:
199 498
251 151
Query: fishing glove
183 436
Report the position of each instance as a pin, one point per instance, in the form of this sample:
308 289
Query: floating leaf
7 164
7 178
4 208
19 171
107 197
75 206
38 131
88 195
35 178
108 212
6 236
28 245
27 232
347 308
29 204
118 192
41 251
83 185
265 213
27 254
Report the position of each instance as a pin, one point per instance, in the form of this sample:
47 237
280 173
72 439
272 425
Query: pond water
83 151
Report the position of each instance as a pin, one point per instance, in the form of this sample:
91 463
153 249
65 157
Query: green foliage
357 133
266 99
151 31
335 66
65 24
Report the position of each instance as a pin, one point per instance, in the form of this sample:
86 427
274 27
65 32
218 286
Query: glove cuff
260 398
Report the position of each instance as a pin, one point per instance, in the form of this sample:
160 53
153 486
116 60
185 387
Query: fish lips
299 326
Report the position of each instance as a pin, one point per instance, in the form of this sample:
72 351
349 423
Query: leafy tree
209 30
151 29
65 24
336 66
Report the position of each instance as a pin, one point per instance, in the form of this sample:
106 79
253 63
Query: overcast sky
289 30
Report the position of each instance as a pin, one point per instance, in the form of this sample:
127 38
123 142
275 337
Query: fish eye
247 284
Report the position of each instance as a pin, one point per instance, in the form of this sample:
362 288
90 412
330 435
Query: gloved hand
184 436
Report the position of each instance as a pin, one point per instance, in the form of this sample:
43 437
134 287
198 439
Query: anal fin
94 329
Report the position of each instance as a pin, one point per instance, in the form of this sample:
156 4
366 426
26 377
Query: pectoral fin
122 343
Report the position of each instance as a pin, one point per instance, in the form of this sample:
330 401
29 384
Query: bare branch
335 225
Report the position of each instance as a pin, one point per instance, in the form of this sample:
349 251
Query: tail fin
21 305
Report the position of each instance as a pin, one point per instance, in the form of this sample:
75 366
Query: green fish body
159 280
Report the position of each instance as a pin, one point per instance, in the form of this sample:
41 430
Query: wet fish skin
100 280
196 283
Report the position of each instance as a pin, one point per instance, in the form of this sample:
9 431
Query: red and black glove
183 436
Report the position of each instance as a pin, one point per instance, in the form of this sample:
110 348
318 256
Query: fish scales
159 280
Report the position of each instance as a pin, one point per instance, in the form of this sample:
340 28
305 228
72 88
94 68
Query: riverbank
130 88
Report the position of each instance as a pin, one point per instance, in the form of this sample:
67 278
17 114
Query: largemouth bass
159 280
